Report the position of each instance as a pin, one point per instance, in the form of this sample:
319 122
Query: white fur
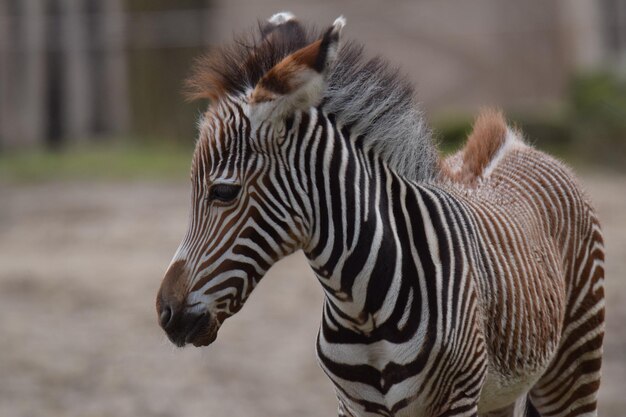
280 18
511 141
331 53
339 23
311 86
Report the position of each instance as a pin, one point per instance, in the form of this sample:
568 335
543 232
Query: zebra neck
361 252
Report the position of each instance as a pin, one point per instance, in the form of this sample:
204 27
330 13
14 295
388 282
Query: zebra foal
453 287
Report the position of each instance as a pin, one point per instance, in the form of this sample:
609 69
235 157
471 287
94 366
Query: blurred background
95 148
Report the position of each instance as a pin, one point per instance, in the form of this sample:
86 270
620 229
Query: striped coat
457 287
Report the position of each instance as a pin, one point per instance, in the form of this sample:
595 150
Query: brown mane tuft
234 69
488 135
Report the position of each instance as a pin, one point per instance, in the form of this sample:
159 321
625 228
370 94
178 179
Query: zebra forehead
218 149
221 121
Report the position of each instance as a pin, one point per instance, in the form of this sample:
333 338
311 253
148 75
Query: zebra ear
281 22
298 81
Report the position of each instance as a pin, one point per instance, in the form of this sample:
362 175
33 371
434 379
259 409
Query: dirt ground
80 264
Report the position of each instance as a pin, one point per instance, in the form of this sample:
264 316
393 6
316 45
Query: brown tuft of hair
235 68
488 135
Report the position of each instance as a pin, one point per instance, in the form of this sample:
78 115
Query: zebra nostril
166 316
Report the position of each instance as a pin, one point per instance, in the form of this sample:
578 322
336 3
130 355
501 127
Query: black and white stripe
440 299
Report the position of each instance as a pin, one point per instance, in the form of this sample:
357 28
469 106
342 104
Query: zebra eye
224 192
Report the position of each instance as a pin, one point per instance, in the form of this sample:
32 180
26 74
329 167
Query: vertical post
5 41
30 72
115 74
621 31
77 84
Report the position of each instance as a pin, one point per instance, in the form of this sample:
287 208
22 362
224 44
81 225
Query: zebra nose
169 312
166 316
171 295
183 326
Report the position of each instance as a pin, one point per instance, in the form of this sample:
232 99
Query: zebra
460 286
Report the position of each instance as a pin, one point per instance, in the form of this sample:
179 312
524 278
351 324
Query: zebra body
448 283
453 287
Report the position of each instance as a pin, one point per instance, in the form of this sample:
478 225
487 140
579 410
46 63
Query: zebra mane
367 95
378 104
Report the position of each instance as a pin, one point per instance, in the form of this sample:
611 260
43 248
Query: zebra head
247 208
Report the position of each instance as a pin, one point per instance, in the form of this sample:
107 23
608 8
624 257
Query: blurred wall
62 70
461 54
76 70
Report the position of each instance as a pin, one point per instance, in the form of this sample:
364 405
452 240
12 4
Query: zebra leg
463 403
570 391
458 394
570 385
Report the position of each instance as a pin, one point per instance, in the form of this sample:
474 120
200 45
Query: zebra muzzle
183 323
187 327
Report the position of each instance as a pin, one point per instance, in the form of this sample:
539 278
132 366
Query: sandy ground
80 264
